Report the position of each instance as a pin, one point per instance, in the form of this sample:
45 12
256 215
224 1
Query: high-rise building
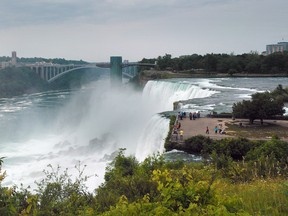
14 58
279 47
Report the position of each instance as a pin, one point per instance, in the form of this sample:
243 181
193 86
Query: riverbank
15 81
147 75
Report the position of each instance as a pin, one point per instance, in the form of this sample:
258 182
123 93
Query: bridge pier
116 70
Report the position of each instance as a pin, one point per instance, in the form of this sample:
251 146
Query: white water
95 124
166 93
97 121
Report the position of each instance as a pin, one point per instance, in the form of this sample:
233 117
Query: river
89 125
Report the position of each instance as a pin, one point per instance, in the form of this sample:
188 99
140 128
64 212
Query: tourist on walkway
207 130
190 116
216 129
175 134
178 126
181 134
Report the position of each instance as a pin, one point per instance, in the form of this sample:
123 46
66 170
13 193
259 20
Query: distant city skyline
95 30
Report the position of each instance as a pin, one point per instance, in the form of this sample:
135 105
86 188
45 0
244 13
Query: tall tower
116 70
14 58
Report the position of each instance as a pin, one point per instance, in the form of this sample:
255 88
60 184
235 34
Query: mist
91 126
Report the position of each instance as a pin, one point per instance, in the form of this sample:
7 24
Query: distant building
11 63
279 47
14 58
5 64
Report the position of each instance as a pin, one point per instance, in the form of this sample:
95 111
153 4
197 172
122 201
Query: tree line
224 63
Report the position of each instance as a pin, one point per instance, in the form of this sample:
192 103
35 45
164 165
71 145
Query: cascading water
165 93
91 124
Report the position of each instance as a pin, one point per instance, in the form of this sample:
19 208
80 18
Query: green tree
210 62
58 194
281 93
124 176
165 62
262 106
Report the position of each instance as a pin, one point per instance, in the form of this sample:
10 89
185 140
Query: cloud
38 12
31 12
139 28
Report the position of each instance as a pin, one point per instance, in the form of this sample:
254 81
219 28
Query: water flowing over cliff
90 125
165 93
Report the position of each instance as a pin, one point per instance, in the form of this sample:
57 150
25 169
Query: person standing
207 130
178 126
181 134
190 116
216 129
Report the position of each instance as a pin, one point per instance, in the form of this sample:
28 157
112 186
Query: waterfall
153 137
161 95
165 93
90 126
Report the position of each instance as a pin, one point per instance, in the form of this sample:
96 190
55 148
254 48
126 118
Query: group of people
192 116
218 129
177 130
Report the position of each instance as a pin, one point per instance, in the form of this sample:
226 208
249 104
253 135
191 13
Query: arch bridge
51 72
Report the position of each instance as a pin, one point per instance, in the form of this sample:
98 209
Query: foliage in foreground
154 187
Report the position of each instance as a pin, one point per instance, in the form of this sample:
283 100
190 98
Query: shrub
198 144
236 148
276 147
125 177
59 195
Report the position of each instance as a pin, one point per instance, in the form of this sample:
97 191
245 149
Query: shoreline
147 75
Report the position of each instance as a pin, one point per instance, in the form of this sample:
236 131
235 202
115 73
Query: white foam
153 137
164 93
286 111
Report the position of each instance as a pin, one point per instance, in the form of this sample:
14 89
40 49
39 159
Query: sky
94 30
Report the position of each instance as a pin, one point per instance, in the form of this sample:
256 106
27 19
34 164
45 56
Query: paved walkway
199 125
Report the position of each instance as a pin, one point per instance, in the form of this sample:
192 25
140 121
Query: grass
261 197
257 131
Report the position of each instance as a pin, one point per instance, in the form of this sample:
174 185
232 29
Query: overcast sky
94 30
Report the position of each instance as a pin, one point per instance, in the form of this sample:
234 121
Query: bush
275 146
125 176
198 145
237 148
